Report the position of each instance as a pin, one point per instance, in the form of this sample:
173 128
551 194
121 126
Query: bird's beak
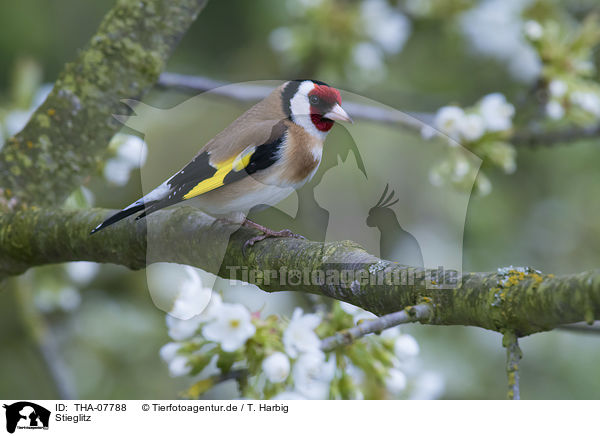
338 114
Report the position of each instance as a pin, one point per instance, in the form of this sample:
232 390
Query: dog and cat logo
26 415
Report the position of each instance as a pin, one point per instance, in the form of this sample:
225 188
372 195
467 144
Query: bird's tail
138 206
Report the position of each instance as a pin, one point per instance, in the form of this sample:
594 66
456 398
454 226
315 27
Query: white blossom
533 30
231 328
496 112
557 88
299 336
288 395
212 309
495 28
276 367
385 25
132 149
395 381
555 110
460 169
282 39
169 351
117 171
471 127
193 297
131 153
47 300
69 298
179 366
180 329
525 65
368 57
82 273
483 184
588 101
448 119
313 374
406 346
355 373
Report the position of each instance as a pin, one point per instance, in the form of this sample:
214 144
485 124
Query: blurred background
534 206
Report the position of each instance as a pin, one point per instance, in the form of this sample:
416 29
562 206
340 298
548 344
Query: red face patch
327 94
322 124
328 97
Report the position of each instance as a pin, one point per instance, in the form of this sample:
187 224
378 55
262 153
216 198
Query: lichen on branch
66 137
520 300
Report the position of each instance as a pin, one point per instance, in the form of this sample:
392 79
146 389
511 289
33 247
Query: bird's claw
285 233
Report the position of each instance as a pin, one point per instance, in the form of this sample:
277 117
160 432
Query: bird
265 154
395 243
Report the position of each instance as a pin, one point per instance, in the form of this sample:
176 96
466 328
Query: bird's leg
266 233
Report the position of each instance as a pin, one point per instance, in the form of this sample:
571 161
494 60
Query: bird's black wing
200 176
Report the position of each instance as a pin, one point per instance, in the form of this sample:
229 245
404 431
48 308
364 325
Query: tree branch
420 312
251 93
66 138
525 304
513 356
408 120
549 138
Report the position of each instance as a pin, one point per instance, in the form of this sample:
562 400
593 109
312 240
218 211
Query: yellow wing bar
236 163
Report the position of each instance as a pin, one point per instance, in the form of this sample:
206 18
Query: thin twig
411 120
548 138
250 93
195 84
513 356
346 337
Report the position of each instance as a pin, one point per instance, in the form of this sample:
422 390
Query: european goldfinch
259 159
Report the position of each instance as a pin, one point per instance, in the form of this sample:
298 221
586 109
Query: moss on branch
65 139
522 301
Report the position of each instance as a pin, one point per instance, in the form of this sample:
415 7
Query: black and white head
313 105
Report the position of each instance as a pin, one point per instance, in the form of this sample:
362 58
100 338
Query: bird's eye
313 99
